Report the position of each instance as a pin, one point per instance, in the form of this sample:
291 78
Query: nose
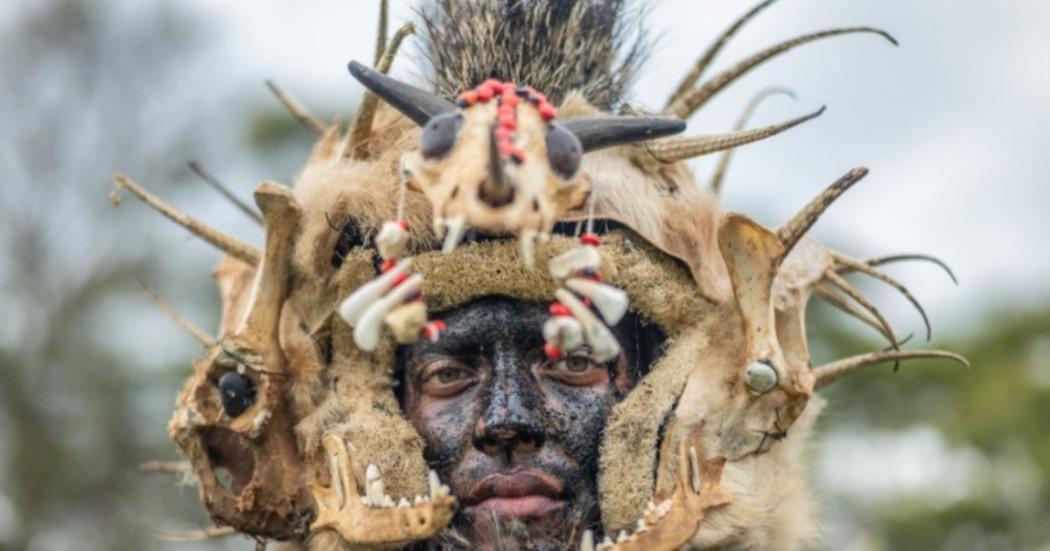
511 422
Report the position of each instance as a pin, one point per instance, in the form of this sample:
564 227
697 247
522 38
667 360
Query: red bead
552 351
508 122
404 224
484 93
504 134
492 83
505 110
506 148
586 301
547 111
387 265
559 310
591 239
509 100
400 279
470 96
509 87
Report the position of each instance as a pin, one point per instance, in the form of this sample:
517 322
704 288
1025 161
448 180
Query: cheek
577 417
444 424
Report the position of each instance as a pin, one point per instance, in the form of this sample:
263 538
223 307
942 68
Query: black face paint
500 422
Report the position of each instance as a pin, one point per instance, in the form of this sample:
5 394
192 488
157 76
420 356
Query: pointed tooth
611 302
403 503
604 346
419 500
373 486
607 542
440 227
528 248
435 484
456 228
650 507
388 502
574 261
364 296
642 527
366 334
622 537
587 541
563 331
694 466
337 482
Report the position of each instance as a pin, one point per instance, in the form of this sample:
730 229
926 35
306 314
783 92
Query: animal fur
592 46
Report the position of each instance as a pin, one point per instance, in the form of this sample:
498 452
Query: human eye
446 378
578 369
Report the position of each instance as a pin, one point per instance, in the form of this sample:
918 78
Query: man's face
515 434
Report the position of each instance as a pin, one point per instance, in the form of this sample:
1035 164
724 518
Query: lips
522 494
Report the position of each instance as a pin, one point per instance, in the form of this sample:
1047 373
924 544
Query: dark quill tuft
556 46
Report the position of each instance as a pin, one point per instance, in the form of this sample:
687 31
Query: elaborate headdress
290 420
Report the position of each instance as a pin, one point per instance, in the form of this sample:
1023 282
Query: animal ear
414 103
752 254
600 132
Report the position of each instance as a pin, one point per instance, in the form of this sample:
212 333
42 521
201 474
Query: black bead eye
236 393
564 151
439 135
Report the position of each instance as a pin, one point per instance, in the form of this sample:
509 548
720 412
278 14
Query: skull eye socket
439 135
564 151
236 393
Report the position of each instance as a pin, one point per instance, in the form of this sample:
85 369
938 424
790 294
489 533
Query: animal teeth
419 500
607 542
366 334
434 483
649 507
611 302
694 464
374 486
355 305
587 541
622 537
528 248
403 503
337 482
563 331
573 261
604 346
388 502
642 527
456 228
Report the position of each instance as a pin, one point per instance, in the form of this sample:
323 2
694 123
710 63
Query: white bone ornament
392 240
355 305
366 333
610 301
564 332
574 261
604 346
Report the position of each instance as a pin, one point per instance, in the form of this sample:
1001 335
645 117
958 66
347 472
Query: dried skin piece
375 518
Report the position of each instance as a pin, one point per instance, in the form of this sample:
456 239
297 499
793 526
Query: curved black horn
601 132
418 105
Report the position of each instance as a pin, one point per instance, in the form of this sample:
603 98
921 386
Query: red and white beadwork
507 95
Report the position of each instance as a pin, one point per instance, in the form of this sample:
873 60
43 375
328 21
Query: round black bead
236 393
462 103
522 91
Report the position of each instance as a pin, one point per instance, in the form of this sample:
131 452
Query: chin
525 523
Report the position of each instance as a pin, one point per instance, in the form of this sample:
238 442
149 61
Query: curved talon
340 507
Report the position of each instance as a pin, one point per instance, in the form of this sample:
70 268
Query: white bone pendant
564 332
366 333
610 301
364 296
604 346
457 227
574 261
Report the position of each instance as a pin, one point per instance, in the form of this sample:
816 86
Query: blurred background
955 125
